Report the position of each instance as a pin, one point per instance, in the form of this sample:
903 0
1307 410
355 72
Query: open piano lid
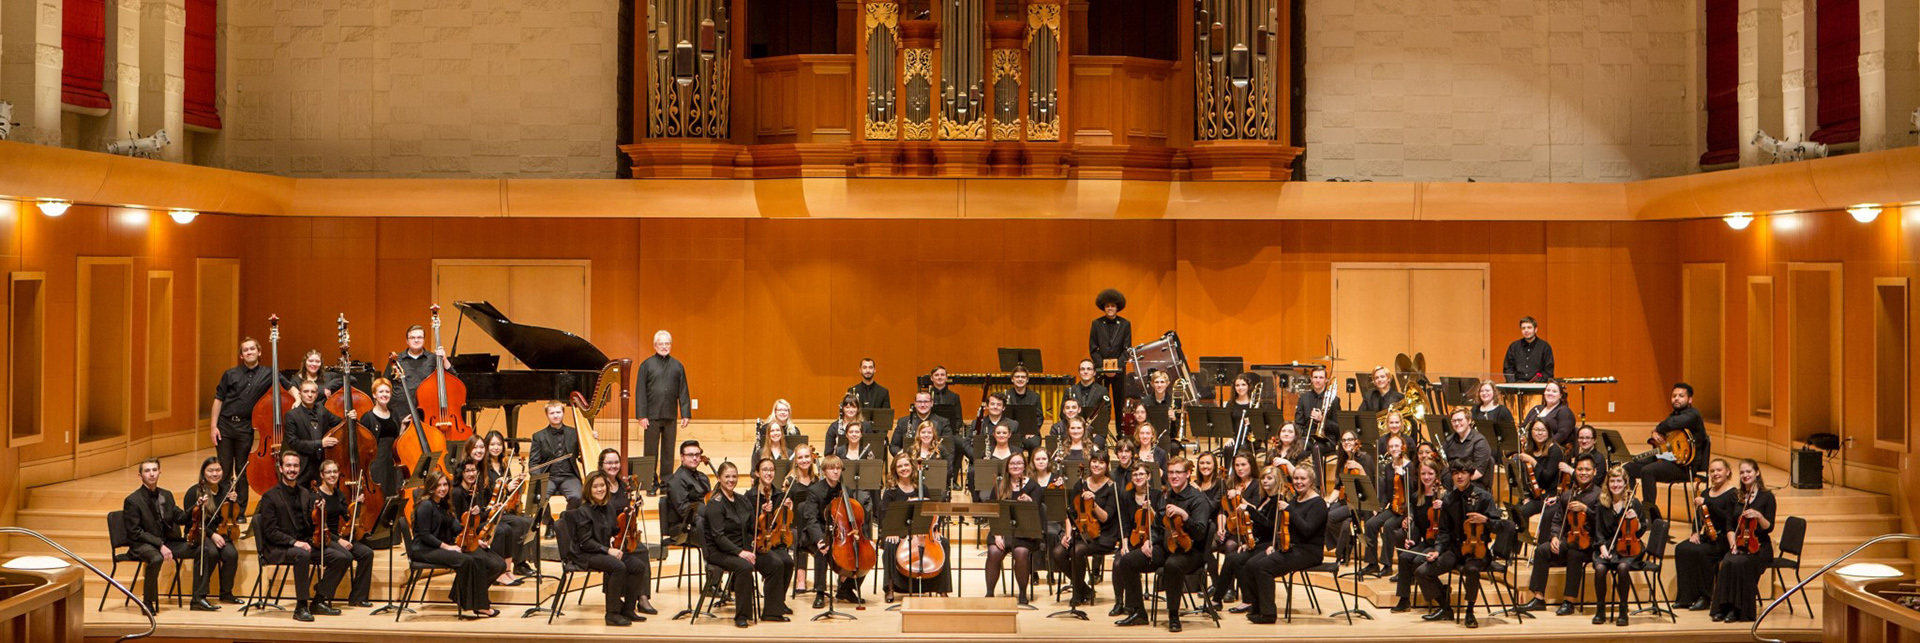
537 347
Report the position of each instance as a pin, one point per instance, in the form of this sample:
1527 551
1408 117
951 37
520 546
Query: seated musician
620 497
1736 586
213 491
1160 407
772 439
625 571
1206 476
1089 395
1697 558
153 526
938 389
868 393
339 543
436 532
1014 486
1683 423
1382 529
1307 523
1489 408
927 447
1046 474
1562 543
1096 487
849 417
801 485
1465 444
1185 503
855 446
286 513
1019 393
510 538
471 500
775 562
1617 506
1257 498
1420 529
1123 457
1554 411
1539 454
559 444
904 476
1287 450
1382 393
904 429
686 491
1140 527
1468 507
1348 458
1146 443
1308 413
1074 446
1586 444
987 429
306 428
829 489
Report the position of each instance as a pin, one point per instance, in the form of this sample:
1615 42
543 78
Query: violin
628 526
1526 473
1705 521
1473 540
268 428
851 552
448 394
1084 518
319 519
1239 521
774 528
1433 519
1746 538
1575 528
1177 538
197 519
1283 525
1399 503
1142 526
228 511
470 522
1627 544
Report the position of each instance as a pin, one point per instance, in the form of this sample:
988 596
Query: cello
851 552
447 394
920 556
267 429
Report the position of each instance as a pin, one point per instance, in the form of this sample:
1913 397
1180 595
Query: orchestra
1219 520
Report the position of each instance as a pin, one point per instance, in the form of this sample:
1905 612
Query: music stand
395 507
1265 424
1437 428
865 475
1027 416
646 469
938 479
1360 496
1222 369
949 411
780 470
1074 472
1210 422
1501 435
986 472
901 520
1020 520
876 444
878 416
1362 423
1616 446
794 440
1011 358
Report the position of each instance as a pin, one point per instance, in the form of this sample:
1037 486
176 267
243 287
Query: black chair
1331 567
1505 568
417 570
265 586
122 547
569 567
1195 599
1659 538
1793 540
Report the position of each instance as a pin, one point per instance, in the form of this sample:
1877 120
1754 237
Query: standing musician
1562 543
1075 446
1553 410
214 550
1490 409
1090 395
559 444
1108 339
1100 491
436 529
804 490
415 366
1014 486
868 393
1539 454
661 398
1467 504
905 469
775 563
1185 503
1257 498
1308 411
849 418
828 489
1381 530
306 428
1307 523
153 526
286 513
1421 527
339 511
1529 359
239 389
385 426
1736 588
772 440
906 427
1697 557
1467 445
1617 507
1683 423
625 572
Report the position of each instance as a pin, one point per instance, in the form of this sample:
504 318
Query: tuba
1409 375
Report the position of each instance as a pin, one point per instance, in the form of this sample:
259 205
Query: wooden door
1382 310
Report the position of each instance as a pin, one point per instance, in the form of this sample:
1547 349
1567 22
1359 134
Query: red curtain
83 35
1723 82
1837 63
202 64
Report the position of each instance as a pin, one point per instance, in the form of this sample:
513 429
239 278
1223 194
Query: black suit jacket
152 518
661 390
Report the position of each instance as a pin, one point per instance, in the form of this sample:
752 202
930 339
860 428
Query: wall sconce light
182 216
1739 220
1864 213
54 207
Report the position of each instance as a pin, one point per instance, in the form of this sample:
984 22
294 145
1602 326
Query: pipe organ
1235 42
688 92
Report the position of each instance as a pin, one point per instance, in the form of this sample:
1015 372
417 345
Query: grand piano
559 363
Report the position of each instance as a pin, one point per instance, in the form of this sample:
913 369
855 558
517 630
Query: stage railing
152 624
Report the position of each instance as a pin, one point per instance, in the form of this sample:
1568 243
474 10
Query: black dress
1696 563
1736 589
898 582
386 473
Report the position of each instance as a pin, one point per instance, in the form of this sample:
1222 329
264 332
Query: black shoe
1621 620
153 606
1534 605
1442 614
1173 627
644 606
1698 605
301 614
1370 570
1566 607
1394 578
201 605
819 601
523 569
1403 606
1262 619
846 597
360 604
1471 621
774 618
323 609
1233 596
230 600
1240 609
1599 615
1131 620
618 620
890 597
1118 610
741 621
1719 617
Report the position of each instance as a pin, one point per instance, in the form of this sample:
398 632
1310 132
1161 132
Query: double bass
446 394
356 445
416 439
268 429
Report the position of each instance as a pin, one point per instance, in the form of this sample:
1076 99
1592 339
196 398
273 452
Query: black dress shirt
1109 338
239 389
686 489
660 393
286 513
1688 419
1528 361
871 395
554 442
151 517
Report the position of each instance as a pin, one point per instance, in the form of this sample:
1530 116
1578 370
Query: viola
446 394
774 528
1473 539
1433 520
851 551
1084 518
1628 544
1578 534
1239 521
1526 473
1746 537
1177 538
197 519
470 521
1399 504
268 429
628 525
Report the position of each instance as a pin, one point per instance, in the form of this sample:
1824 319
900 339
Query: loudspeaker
1806 469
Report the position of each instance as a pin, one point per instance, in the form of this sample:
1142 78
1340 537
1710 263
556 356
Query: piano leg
513 422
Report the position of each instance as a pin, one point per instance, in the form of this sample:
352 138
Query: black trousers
661 440
473 573
1127 571
1340 527
1381 531
1653 472
1736 588
1544 560
849 586
1695 565
510 539
232 451
625 578
362 556
1258 574
1077 561
1230 568
301 564
1428 574
226 558
1526 511
1173 577
150 575
775 568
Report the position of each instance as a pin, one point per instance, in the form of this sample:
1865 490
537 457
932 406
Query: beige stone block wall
421 88
1500 90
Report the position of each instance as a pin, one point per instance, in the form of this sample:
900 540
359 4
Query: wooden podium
936 615
1855 611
